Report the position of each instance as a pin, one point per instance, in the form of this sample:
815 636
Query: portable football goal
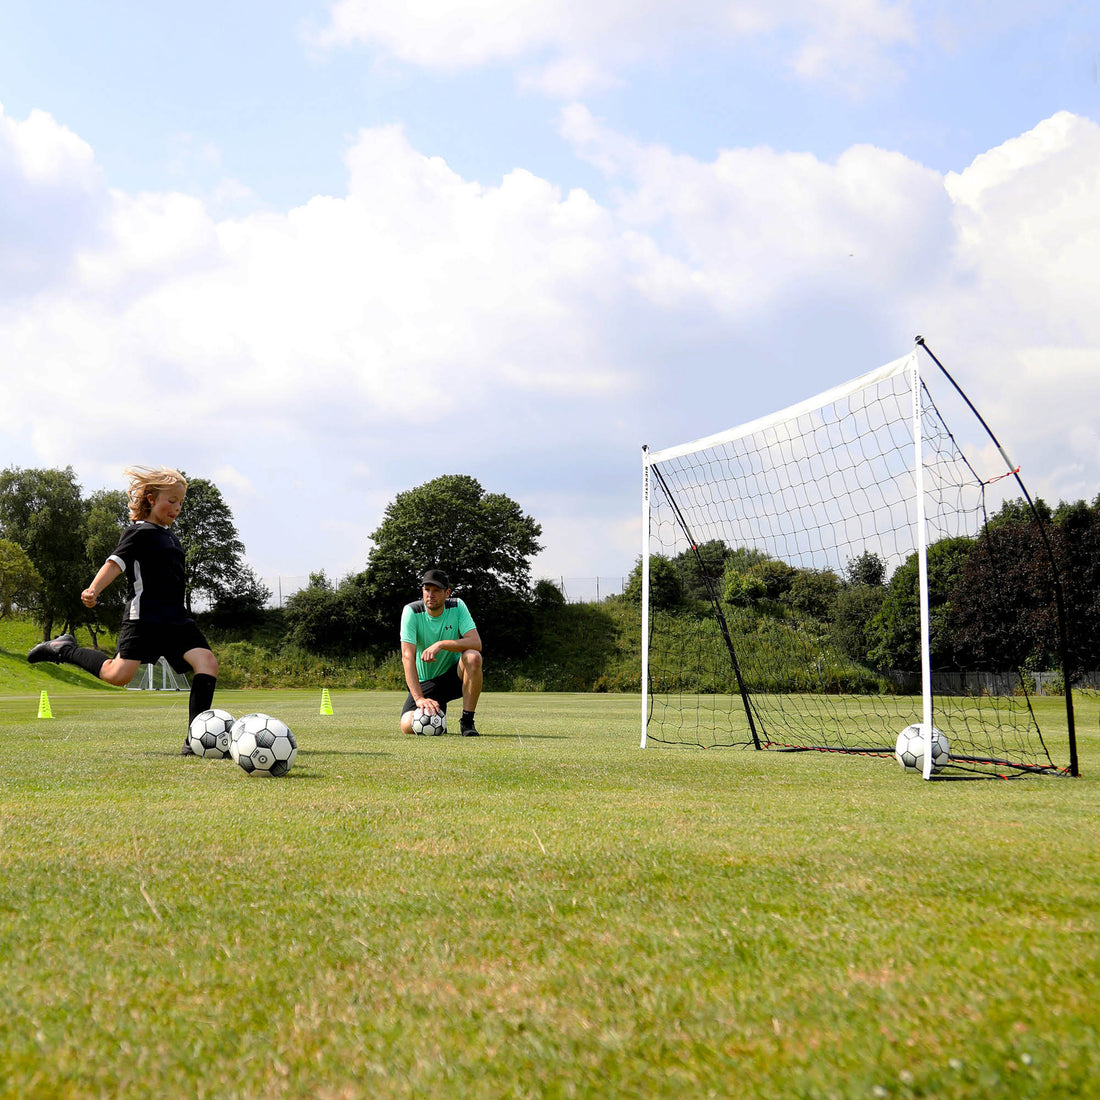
158 677
826 577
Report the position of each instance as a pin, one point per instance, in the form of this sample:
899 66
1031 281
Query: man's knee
470 660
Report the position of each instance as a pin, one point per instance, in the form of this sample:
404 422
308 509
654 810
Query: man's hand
429 653
429 706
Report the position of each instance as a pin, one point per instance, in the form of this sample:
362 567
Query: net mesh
784 608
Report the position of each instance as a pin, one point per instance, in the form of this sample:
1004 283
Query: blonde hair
150 479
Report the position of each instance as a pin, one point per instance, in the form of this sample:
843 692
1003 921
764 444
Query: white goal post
158 677
753 541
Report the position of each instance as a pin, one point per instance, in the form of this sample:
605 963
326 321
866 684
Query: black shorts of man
441 654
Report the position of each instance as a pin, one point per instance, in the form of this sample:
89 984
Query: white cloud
569 47
1024 229
740 230
422 323
1019 299
351 311
51 191
45 153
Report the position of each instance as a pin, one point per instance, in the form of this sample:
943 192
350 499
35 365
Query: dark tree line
47 523
992 599
53 540
483 541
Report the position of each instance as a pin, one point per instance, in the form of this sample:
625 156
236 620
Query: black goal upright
1055 572
716 604
763 545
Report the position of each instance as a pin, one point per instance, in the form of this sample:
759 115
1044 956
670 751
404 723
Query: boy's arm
109 571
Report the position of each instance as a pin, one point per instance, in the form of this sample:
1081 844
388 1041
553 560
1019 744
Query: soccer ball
909 749
428 725
208 734
262 745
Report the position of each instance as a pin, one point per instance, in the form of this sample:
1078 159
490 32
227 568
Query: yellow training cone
326 701
44 706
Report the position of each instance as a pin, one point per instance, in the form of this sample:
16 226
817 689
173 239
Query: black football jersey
152 557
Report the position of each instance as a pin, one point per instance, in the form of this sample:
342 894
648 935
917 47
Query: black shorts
148 642
442 689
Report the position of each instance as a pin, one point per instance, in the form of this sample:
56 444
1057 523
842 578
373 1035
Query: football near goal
819 578
909 749
262 745
428 725
208 734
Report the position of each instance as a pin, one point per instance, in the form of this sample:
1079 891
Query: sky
323 252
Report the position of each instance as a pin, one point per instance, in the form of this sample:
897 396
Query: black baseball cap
436 577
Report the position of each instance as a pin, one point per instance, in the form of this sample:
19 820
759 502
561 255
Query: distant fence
574 589
588 589
283 587
991 683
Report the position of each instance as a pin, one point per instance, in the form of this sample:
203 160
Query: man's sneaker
467 728
52 651
187 750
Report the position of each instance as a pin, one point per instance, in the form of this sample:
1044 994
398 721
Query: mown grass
547 911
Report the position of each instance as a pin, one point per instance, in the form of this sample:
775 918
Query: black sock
202 694
467 716
91 660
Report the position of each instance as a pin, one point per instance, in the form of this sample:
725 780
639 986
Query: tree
858 600
666 592
751 577
895 630
866 569
41 511
1078 547
548 595
314 618
853 613
213 550
337 618
244 604
1006 610
707 562
482 541
813 592
20 583
106 514
742 587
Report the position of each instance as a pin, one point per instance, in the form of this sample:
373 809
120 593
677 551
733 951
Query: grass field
546 911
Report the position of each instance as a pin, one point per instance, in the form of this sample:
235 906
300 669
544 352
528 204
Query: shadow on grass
170 753
527 736
343 752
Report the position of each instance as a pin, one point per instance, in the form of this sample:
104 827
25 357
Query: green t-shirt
420 628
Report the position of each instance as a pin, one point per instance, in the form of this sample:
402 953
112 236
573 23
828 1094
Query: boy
155 622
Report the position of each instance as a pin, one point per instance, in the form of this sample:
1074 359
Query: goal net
828 576
158 677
